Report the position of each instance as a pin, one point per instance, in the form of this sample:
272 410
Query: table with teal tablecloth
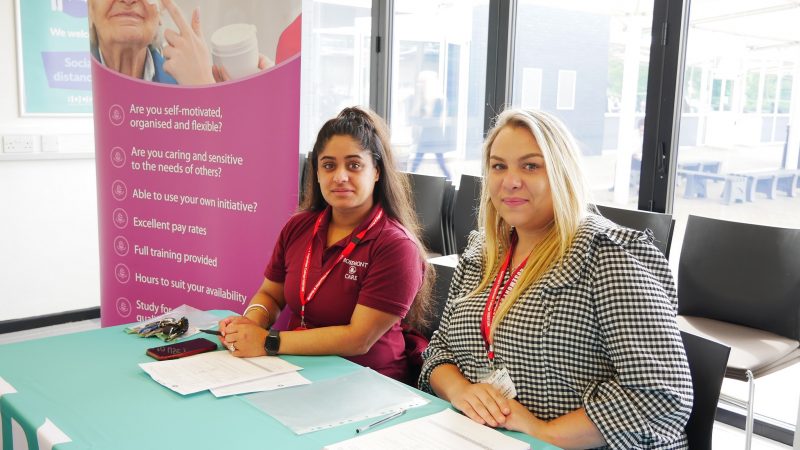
89 385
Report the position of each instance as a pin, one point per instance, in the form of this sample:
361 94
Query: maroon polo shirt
383 272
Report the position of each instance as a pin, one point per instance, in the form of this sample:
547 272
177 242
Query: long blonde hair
570 203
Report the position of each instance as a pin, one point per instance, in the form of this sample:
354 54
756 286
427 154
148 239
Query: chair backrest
659 223
707 362
741 273
444 274
301 176
465 212
448 205
429 194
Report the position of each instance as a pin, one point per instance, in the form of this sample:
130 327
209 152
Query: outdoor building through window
739 139
586 62
438 85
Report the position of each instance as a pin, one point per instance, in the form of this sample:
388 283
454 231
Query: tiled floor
725 437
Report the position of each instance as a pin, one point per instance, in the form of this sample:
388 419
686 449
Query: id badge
500 379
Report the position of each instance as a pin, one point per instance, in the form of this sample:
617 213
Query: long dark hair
392 190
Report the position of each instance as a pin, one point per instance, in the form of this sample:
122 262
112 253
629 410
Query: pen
384 420
217 332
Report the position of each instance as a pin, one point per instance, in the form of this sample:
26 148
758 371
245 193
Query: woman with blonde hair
559 323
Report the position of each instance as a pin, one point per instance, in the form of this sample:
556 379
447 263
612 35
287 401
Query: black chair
739 284
465 211
444 275
448 205
660 224
429 194
707 362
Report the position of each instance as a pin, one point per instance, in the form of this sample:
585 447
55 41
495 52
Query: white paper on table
446 430
212 370
273 365
269 383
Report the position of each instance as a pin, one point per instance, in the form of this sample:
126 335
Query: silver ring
231 347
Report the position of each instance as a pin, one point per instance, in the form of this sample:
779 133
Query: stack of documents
447 430
224 374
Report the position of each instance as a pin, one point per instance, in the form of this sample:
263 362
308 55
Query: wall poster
54 70
196 112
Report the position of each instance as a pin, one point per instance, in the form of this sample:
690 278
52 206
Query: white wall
48 212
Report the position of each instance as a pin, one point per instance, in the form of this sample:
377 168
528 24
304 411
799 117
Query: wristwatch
273 342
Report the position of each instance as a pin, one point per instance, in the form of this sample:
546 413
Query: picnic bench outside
735 189
770 181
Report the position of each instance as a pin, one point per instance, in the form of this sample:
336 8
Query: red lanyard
304 299
496 296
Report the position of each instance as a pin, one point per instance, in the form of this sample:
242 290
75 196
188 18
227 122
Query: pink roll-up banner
197 167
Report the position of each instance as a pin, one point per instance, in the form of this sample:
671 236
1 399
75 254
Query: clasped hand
484 404
244 335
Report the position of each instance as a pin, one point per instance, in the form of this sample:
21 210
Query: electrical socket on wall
21 143
50 143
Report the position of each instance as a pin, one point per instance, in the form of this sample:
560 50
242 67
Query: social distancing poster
196 112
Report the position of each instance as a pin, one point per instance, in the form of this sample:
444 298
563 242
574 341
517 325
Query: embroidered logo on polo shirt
351 271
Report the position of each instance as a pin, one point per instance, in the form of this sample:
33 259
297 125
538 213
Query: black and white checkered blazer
598 332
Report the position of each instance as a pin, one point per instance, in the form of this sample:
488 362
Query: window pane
691 89
770 84
566 89
335 68
739 136
531 88
437 92
716 94
785 95
751 92
586 62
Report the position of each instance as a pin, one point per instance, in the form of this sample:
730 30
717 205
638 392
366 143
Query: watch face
273 343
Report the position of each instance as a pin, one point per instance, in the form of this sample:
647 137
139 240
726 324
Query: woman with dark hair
349 265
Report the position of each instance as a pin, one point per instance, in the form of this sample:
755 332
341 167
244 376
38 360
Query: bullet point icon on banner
124 307
117 157
120 218
121 246
116 114
122 273
119 190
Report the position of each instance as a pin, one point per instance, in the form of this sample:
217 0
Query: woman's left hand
245 339
521 419
187 56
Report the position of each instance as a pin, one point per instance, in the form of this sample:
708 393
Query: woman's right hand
482 403
188 58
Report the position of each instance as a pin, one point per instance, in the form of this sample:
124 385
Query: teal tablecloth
90 386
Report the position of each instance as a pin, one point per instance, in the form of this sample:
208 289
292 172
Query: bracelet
256 305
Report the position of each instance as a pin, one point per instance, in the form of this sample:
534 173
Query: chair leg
796 445
748 424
